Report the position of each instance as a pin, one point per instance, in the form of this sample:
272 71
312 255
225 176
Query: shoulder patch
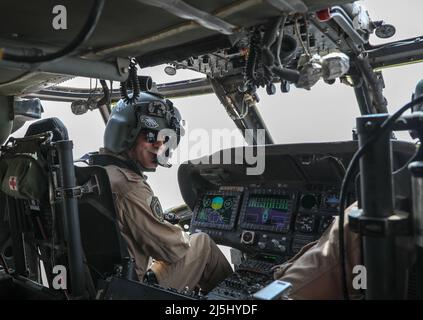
156 208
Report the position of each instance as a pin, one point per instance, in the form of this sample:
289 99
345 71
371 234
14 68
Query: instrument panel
291 204
258 220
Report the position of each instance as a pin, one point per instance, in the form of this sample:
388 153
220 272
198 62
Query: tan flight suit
180 260
315 272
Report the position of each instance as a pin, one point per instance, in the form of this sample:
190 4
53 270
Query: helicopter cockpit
265 201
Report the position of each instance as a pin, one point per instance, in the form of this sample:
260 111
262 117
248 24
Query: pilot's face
145 152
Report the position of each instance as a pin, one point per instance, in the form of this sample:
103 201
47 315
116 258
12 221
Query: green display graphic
216 209
269 202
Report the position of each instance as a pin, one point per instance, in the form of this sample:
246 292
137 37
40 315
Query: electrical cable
413 157
83 35
252 59
307 34
336 161
4 264
244 108
386 126
297 32
132 83
109 104
279 43
269 38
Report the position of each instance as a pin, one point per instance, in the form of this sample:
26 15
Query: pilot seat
58 214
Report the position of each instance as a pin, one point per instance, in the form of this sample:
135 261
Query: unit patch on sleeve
156 208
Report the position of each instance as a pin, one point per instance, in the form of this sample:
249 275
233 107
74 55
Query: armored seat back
104 247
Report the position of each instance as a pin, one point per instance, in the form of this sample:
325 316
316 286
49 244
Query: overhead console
271 216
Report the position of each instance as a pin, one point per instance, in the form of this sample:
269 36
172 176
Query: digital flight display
268 210
217 210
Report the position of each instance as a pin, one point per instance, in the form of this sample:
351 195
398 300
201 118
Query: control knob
278 245
247 237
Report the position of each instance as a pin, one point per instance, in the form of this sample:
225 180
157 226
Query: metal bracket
75 192
123 66
398 224
344 21
90 187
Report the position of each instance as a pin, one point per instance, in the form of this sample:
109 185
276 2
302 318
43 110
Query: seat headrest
50 124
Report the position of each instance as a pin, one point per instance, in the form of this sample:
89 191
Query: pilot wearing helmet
140 136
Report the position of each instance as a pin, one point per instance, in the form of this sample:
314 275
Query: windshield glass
325 113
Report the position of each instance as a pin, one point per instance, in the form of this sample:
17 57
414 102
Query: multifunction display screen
268 210
217 210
